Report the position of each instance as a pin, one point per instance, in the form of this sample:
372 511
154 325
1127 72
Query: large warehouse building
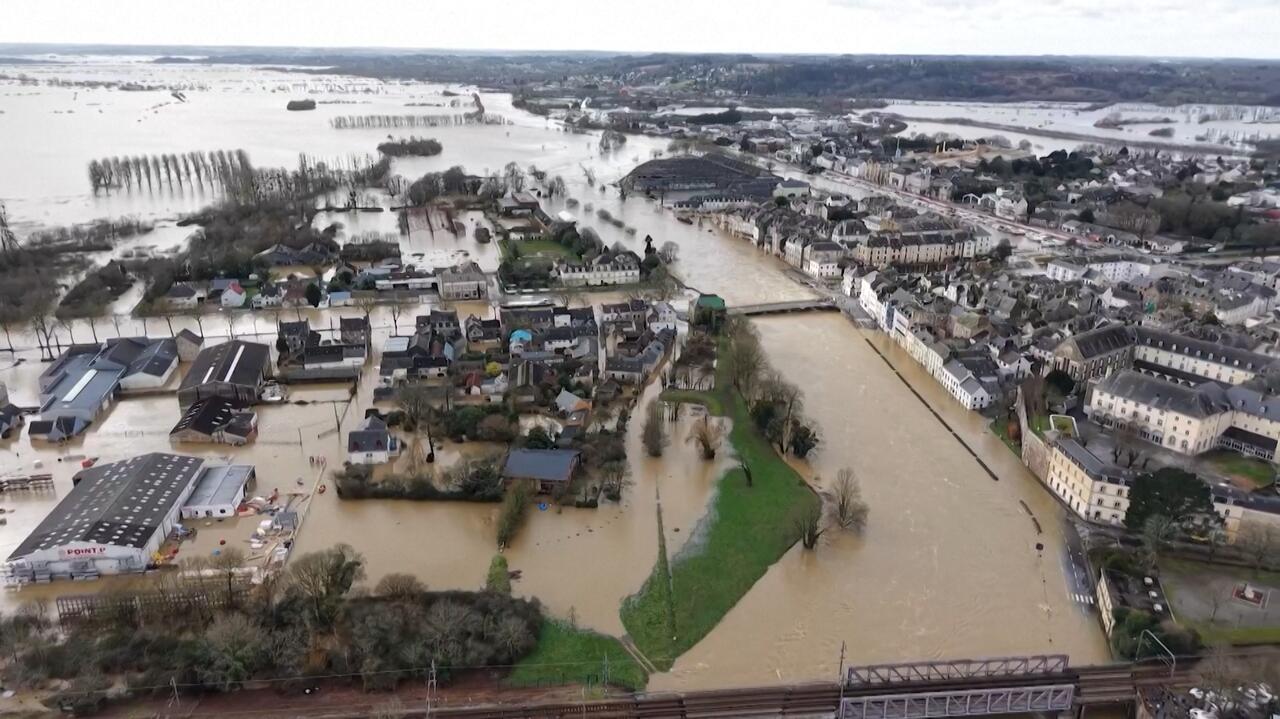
112 521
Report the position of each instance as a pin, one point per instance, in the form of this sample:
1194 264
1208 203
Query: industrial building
219 491
84 381
233 370
111 522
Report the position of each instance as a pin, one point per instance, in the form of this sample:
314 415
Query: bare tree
654 433
848 510
419 409
1257 542
613 479
669 252
399 585
808 525
42 326
1156 532
745 356
366 303
396 309
707 436
229 561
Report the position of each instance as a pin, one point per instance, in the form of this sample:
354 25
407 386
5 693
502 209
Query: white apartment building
1189 359
1188 420
1099 491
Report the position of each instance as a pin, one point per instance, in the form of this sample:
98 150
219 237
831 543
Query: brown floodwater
947 565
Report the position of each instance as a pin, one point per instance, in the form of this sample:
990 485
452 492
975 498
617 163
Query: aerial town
620 388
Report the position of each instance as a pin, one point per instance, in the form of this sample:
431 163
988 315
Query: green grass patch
1213 634
1255 471
567 655
751 527
499 577
1064 425
545 248
1039 424
1000 429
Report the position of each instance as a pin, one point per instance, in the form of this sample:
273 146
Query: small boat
685 220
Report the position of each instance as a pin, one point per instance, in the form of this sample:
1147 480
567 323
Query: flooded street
946 568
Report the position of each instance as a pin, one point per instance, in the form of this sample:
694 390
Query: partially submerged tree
848 510
654 433
808 525
419 410
707 436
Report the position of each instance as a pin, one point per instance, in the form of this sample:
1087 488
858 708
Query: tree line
300 625
190 169
380 122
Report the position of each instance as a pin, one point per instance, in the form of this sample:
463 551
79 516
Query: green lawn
545 248
1039 424
998 428
1214 634
566 655
1256 471
1064 425
751 527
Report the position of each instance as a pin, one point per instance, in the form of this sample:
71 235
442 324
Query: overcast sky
1193 28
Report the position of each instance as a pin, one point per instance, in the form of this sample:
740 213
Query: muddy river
947 567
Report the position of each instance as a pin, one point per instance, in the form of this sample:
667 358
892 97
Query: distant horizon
1154 29
10 49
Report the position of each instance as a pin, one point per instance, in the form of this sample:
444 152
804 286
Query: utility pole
431 689
605 684
840 678
337 423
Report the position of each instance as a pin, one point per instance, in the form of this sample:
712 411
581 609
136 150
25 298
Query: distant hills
805 78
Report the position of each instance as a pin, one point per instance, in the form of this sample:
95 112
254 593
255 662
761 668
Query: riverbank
747 528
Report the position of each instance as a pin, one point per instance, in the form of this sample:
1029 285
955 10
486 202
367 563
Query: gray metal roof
85 383
120 503
234 362
220 485
552 465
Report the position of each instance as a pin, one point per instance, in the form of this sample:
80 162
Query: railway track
1095 685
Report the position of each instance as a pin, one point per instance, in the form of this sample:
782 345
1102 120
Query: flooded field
947 567
1190 124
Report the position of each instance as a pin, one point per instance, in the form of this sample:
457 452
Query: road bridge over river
824 304
921 690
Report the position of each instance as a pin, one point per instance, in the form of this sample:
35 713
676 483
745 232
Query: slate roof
1101 341
142 355
119 503
1159 394
1203 349
372 436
